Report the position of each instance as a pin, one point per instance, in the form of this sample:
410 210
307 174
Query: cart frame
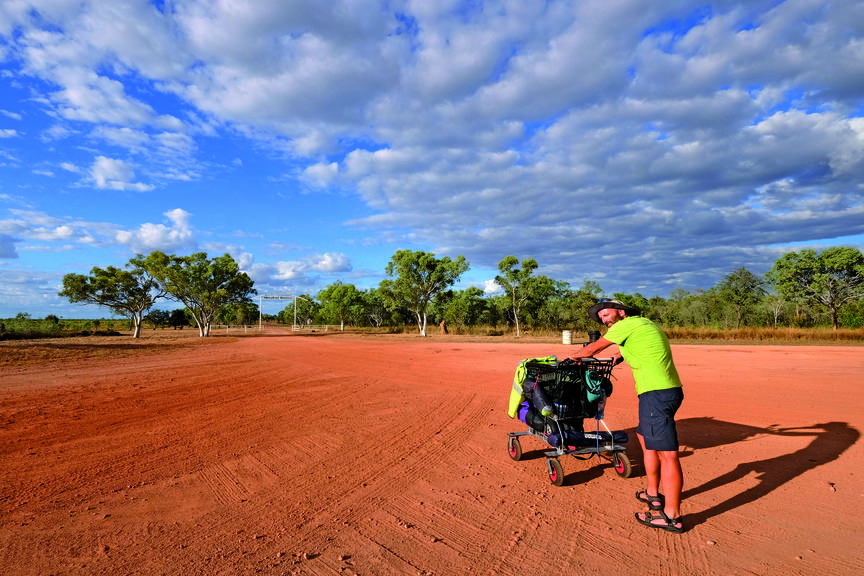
605 448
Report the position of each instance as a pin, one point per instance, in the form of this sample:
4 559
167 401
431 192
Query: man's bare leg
651 461
673 481
663 466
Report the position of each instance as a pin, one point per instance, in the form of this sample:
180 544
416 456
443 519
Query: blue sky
645 147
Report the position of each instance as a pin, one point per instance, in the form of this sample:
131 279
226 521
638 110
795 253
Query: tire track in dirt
366 495
376 519
313 452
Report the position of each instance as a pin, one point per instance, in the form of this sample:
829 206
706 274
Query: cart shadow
594 468
830 440
586 474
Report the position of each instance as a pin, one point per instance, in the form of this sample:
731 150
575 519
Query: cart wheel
514 448
621 463
556 473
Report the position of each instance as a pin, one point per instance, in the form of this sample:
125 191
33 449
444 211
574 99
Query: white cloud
321 174
56 132
300 273
491 287
12 115
112 174
330 263
121 136
176 236
91 98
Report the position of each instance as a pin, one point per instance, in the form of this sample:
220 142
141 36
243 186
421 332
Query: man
646 349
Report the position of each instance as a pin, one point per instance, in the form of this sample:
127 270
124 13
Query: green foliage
464 308
829 280
741 290
307 311
853 315
580 300
130 292
417 278
375 307
202 284
341 303
180 318
25 327
238 313
158 318
517 283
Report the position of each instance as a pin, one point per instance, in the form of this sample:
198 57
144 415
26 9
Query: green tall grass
28 328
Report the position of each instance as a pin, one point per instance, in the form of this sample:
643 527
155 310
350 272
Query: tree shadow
830 440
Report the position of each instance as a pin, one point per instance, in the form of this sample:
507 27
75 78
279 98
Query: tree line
802 289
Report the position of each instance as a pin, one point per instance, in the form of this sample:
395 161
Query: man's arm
591 349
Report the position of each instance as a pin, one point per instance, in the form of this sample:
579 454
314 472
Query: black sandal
645 498
669 524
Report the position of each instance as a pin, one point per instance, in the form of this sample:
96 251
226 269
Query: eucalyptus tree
179 318
549 303
340 302
466 308
307 309
580 300
158 318
517 284
238 313
374 306
741 290
202 284
831 279
417 277
130 292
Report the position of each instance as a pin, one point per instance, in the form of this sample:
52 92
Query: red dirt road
340 455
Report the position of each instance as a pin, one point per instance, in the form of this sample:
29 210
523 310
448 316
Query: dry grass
843 336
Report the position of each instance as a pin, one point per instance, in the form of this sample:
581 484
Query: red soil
339 454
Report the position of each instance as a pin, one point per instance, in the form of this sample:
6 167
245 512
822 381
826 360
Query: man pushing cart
646 349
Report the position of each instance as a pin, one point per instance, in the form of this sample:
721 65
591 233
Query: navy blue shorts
657 410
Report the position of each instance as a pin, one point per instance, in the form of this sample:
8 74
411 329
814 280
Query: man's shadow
830 440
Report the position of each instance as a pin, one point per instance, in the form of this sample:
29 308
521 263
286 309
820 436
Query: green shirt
646 349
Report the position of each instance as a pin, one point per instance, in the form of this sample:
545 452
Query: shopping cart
558 398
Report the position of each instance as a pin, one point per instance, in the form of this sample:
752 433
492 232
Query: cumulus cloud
491 287
112 174
321 174
302 275
175 236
